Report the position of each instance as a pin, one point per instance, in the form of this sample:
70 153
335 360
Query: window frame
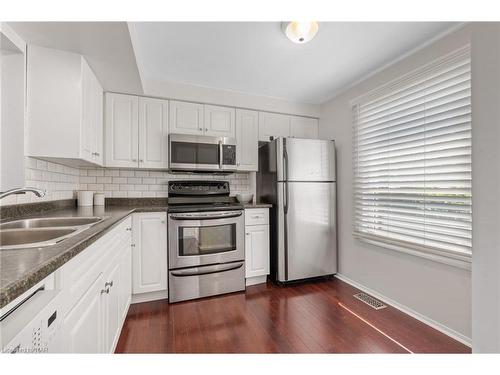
450 257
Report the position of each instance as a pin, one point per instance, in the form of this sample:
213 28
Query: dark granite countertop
22 268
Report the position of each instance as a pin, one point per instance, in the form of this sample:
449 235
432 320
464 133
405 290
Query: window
412 161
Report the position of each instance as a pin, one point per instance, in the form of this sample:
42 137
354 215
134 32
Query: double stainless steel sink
40 232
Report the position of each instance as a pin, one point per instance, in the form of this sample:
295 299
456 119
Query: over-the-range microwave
202 153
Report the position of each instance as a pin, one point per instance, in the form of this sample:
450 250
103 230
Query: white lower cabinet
83 327
149 255
256 245
96 287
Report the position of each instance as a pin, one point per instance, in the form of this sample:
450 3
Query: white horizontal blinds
412 159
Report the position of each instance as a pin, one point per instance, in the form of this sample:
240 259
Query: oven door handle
208 217
207 270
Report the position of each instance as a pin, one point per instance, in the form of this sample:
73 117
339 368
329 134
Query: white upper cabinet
12 88
153 133
219 121
303 127
273 125
136 132
64 108
186 118
202 119
121 131
247 140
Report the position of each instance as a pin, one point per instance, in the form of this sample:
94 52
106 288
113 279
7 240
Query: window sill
458 260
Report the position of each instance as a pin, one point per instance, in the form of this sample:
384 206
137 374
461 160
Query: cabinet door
112 313
149 253
98 130
125 280
256 250
121 131
153 133
219 121
186 118
87 143
273 125
247 140
303 127
83 327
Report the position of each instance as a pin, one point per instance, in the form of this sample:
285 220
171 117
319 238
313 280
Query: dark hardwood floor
316 317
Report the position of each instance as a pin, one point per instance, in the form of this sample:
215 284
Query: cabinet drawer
256 216
76 276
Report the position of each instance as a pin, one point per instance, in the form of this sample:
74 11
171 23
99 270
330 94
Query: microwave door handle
220 154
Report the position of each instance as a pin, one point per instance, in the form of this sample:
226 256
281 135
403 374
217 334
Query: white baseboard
148 297
255 280
414 314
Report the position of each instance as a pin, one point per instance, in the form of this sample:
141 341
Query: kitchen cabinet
186 118
257 252
219 121
202 119
95 293
304 127
83 329
153 133
273 125
136 132
247 140
149 252
64 108
12 87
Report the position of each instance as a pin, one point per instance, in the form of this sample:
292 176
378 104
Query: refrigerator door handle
285 169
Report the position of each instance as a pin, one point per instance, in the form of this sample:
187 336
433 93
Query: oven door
202 238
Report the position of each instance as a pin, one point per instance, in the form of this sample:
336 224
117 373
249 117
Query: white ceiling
256 58
106 46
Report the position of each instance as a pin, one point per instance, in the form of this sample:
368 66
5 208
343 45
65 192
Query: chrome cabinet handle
105 291
206 129
201 129
134 160
128 228
132 245
141 161
108 283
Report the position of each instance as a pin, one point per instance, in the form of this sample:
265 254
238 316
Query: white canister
85 198
98 199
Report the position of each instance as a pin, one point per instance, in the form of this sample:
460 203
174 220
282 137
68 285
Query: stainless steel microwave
202 153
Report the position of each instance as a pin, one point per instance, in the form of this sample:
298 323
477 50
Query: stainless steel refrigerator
298 177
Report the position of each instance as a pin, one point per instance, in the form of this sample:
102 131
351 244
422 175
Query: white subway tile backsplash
62 182
126 173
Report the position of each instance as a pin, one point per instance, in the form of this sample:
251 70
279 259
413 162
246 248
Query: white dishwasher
33 325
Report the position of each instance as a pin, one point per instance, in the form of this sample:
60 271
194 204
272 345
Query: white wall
486 188
438 292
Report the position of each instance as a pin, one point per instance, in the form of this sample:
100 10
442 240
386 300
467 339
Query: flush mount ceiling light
300 32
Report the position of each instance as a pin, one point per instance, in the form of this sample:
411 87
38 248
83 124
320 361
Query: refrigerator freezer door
307 242
306 160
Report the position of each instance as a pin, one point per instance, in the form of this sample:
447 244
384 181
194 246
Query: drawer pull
108 283
105 291
128 228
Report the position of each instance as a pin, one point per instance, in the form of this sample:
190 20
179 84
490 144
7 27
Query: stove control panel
193 187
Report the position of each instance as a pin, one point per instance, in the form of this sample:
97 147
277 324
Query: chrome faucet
38 192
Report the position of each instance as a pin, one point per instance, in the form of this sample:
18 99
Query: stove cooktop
205 207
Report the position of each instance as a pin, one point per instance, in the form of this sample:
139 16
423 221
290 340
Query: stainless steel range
206 240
